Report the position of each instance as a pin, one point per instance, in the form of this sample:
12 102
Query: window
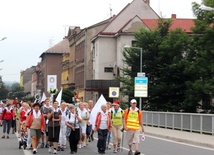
108 69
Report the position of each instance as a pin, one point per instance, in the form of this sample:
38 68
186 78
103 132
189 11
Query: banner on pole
51 82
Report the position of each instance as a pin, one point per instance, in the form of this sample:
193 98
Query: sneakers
118 148
115 151
8 137
130 152
50 149
137 153
3 136
79 146
55 151
46 146
83 144
62 149
34 151
108 147
42 145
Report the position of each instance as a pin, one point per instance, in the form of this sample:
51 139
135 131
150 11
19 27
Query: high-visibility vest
117 118
132 122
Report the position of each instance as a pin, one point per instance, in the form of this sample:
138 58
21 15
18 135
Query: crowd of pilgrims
47 125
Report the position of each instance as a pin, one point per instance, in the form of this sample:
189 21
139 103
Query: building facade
51 64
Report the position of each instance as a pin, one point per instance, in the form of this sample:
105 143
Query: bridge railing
201 123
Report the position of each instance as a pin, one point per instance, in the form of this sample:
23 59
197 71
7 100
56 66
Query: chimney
173 16
147 2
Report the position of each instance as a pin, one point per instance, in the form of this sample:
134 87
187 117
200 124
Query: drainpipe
85 57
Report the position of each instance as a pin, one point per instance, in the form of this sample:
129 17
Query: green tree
201 84
165 54
16 91
3 90
67 95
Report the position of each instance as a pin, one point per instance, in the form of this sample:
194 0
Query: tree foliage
3 90
67 95
16 91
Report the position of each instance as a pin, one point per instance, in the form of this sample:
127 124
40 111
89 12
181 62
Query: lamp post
141 66
3 38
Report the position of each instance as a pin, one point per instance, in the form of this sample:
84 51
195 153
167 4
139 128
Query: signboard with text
141 87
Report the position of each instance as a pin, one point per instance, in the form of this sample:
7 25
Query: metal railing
201 123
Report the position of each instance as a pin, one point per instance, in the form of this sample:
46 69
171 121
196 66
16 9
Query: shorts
35 132
132 136
88 130
83 129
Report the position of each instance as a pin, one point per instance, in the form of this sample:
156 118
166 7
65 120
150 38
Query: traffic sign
114 92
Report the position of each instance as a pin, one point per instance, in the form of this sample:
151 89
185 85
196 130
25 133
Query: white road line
26 152
182 143
122 147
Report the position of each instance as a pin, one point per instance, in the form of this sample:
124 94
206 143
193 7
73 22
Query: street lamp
141 66
206 8
3 38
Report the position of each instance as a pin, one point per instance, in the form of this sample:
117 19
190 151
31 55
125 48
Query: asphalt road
151 146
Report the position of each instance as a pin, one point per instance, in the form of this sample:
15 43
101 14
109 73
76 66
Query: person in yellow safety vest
117 125
133 124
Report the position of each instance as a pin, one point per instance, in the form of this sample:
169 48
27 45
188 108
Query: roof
184 24
60 48
136 7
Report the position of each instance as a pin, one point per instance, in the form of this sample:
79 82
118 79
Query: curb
182 140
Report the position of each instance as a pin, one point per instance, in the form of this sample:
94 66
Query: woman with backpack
72 122
117 125
7 116
103 127
54 116
36 123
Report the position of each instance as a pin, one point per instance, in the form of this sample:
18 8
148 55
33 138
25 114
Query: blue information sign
141 80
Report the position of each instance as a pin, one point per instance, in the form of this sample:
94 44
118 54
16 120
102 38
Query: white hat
133 101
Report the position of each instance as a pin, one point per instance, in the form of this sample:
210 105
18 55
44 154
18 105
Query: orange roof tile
184 24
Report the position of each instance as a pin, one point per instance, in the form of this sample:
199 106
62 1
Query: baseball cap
116 102
133 101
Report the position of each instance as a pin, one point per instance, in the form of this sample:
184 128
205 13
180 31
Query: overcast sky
32 26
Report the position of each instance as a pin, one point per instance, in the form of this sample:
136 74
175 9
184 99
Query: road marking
121 147
182 143
26 152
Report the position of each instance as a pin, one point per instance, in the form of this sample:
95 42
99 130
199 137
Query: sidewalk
181 136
